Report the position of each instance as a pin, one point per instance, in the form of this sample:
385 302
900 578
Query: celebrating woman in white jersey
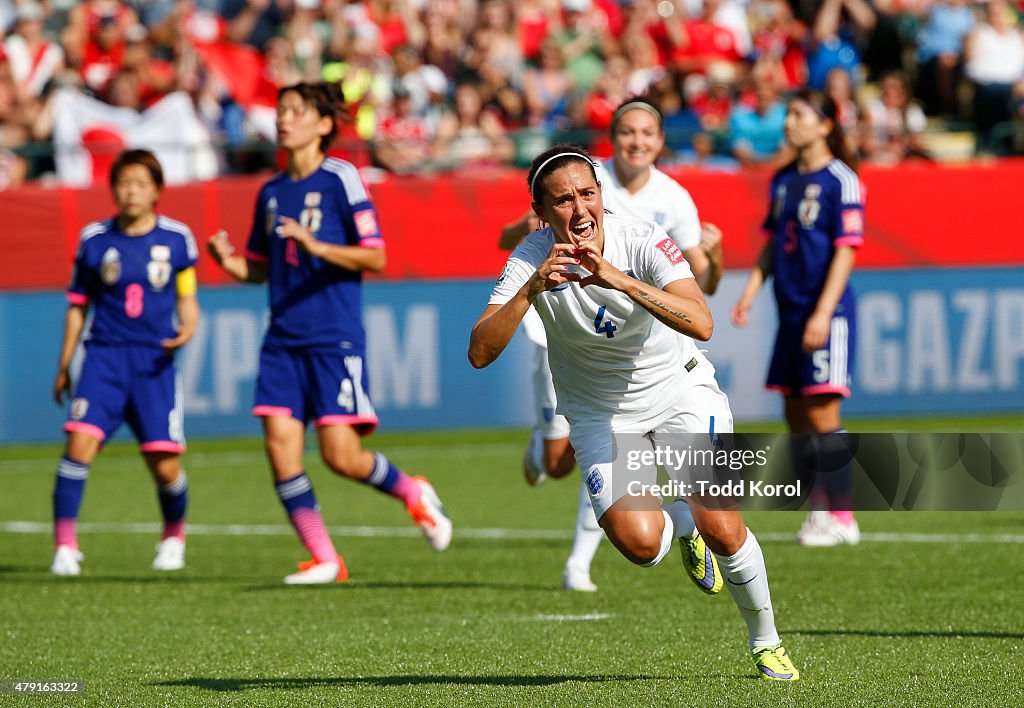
630 184
614 294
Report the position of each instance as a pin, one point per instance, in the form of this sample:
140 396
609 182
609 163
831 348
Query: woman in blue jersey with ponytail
814 227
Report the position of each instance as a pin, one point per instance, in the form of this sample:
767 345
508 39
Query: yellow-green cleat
700 563
774 664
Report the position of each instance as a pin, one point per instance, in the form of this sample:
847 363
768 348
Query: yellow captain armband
186 282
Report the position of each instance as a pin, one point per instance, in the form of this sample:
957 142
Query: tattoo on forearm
665 311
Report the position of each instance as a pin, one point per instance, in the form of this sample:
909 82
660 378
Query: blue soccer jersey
312 302
810 215
131 280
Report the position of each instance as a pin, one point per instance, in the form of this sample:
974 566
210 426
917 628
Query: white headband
533 182
632 105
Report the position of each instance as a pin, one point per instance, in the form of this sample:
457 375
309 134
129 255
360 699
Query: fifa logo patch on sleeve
853 222
671 251
504 274
366 223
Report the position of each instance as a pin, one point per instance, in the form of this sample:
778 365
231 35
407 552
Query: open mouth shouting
583 231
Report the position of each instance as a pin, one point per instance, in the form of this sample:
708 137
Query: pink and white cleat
428 513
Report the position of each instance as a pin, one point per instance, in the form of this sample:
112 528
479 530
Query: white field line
571 618
235 459
39 527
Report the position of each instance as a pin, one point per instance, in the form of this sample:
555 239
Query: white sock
747 580
588 534
682 519
667 537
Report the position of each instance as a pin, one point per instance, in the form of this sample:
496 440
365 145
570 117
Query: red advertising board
448 226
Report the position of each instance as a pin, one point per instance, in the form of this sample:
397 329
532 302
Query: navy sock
173 504
67 499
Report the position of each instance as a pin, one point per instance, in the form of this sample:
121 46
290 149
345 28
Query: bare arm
706 259
861 14
241 25
826 22
350 257
238 267
512 234
74 323
494 330
679 305
817 329
188 320
758 275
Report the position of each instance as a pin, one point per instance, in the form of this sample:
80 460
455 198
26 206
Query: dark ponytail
327 99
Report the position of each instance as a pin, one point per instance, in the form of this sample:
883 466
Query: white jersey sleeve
522 263
662 261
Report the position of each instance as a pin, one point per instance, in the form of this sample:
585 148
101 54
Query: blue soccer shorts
827 370
326 387
129 384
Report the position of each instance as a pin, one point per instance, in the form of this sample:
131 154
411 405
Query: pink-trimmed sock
313 534
296 494
174 529
843 517
68 490
389 479
65 533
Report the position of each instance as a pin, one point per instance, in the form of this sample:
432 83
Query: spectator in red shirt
403 141
534 23
779 35
94 39
714 100
398 23
664 28
156 76
34 60
706 42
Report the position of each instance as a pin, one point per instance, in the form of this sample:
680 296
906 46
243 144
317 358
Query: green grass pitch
937 620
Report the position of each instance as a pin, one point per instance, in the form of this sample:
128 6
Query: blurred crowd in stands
437 85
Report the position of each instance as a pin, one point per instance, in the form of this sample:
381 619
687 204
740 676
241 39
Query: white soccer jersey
661 200
609 357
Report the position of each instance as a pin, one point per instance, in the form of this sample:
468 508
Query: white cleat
812 526
67 561
429 515
577 579
823 530
317 574
170 554
533 460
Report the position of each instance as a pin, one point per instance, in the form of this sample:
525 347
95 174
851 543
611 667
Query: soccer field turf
927 610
